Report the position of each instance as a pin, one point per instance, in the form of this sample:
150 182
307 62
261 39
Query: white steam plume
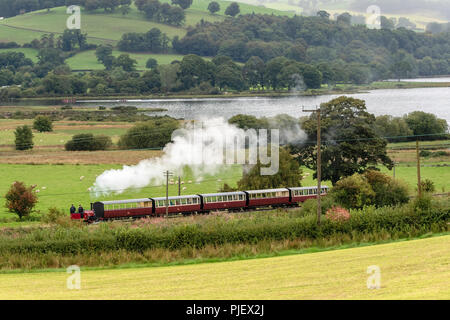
199 147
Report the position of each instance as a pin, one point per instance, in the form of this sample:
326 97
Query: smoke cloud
201 146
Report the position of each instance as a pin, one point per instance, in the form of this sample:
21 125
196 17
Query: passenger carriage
223 200
301 194
268 197
177 204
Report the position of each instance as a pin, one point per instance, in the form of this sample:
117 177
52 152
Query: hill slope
409 270
104 27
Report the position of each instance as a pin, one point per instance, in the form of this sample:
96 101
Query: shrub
20 199
53 215
353 192
388 192
427 186
43 124
425 153
151 63
150 134
213 7
24 138
338 214
88 142
66 107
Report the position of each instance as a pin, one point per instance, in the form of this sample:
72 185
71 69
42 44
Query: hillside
339 274
108 27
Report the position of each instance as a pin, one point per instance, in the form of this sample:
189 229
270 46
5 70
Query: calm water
396 102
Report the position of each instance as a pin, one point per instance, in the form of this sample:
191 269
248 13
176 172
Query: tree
21 199
88 142
183 3
155 133
426 125
151 63
193 71
213 7
289 174
323 14
353 192
103 52
253 72
350 144
24 138
43 124
400 69
128 64
233 9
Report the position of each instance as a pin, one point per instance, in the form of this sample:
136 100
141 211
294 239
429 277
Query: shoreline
344 89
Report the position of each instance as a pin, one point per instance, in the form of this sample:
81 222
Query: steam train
200 203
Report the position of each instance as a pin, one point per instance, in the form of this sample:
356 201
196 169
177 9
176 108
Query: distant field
106 27
88 60
417 269
63 185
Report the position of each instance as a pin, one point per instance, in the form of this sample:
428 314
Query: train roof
125 201
177 197
218 194
305 188
267 190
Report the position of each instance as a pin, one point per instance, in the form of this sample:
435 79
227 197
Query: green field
106 27
63 185
417 269
88 61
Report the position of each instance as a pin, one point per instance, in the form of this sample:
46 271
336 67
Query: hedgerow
398 221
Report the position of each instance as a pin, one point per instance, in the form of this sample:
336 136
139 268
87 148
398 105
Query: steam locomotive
200 203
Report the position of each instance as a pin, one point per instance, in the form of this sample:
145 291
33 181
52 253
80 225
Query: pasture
339 274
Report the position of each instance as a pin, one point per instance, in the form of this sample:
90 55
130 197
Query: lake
395 102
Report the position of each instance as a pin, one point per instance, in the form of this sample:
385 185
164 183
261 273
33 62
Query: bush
24 138
21 199
425 153
43 124
427 186
88 142
338 214
353 192
151 63
155 133
53 215
388 192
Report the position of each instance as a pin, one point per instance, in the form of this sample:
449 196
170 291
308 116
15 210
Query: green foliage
155 133
289 174
352 144
21 199
397 222
353 192
213 7
427 125
53 215
151 63
233 9
88 142
43 124
24 138
427 186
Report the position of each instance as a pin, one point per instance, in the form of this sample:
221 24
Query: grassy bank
215 236
339 274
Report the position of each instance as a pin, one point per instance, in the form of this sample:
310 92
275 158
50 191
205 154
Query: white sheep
81 178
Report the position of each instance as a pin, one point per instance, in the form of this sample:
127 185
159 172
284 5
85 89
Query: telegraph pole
179 186
319 162
167 174
419 183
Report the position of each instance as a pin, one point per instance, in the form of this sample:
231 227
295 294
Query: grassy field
417 269
106 27
60 185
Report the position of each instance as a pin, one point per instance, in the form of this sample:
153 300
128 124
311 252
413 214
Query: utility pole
167 174
419 183
319 162
394 170
179 186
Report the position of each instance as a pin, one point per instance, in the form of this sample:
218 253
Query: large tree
349 142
